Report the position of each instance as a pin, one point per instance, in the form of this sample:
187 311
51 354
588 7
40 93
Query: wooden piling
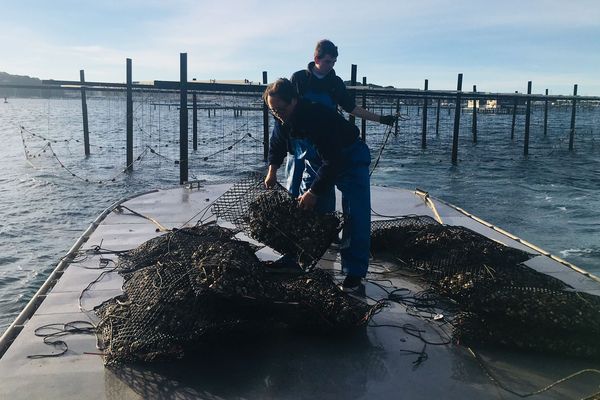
456 120
353 69
474 123
546 114
265 123
527 120
514 118
194 121
363 122
129 117
84 112
183 120
437 117
397 114
573 111
424 125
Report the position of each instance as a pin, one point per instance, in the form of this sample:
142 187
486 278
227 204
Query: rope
161 228
48 146
387 136
52 332
427 200
497 382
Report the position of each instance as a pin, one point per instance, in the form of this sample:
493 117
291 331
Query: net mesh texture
197 284
500 300
272 217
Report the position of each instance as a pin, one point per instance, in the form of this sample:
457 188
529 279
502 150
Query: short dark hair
325 47
282 88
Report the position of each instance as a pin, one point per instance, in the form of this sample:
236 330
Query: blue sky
498 46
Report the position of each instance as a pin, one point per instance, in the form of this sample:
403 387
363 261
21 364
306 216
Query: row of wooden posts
183 115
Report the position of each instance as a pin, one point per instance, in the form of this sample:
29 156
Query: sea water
50 191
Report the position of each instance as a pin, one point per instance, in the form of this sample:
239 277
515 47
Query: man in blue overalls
319 83
344 163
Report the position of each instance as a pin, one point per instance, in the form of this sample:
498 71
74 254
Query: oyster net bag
474 330
454 258
501 301
176 245
272 217
178 297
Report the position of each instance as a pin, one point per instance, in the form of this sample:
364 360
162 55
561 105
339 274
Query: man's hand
308 200
271 178
387 120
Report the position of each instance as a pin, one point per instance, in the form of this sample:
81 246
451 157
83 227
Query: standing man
319 83
344 163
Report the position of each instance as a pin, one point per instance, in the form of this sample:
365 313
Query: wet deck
373 364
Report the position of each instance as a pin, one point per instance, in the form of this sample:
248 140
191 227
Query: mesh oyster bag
501 301
170 302
454 258
178 244
272 216
542 308
474 330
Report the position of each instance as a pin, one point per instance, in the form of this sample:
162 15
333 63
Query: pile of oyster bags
200 284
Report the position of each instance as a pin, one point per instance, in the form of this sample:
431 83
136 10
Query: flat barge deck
383 363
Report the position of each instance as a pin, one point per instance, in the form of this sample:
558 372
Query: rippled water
550 198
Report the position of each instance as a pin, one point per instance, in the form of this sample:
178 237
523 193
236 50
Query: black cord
387 136
52 332
103 263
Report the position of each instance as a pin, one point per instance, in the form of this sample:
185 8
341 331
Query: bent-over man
345 164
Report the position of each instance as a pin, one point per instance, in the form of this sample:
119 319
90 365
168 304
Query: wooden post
474 124
363 122
437 117
129 143
183 120
397 114
527 120
573 111
456 120
546 114
514 118
265 123
352 118
84 112
424 125
195 120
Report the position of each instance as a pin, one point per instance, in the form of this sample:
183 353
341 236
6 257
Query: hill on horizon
7 78
370 85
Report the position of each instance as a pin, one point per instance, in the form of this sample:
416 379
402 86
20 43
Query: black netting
474 330
454 258
210 288
502 301
272 216
178 244
233 205
540 307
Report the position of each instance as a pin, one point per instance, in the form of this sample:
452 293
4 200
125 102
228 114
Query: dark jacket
331 85
326 129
